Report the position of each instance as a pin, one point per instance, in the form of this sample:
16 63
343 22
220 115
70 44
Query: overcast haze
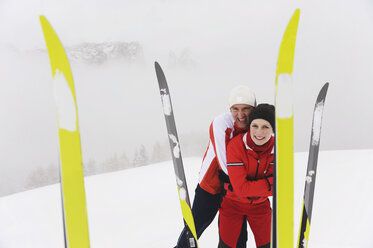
205 48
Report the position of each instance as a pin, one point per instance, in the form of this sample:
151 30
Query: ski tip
322 93
295 18
156 65
43 19
45 23
296 13
325 87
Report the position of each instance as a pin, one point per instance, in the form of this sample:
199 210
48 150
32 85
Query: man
214 173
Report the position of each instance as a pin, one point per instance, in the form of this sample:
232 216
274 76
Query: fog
205 48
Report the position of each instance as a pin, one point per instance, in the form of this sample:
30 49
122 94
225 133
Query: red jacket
250 169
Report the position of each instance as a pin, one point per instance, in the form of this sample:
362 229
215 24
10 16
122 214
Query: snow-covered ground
140 208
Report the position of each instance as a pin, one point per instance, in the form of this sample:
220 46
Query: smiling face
260 131
240 113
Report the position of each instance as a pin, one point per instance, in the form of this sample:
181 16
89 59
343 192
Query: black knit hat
263 111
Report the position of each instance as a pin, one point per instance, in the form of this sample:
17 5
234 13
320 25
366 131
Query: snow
316 126
176 149
166 103
309 176
140 207
284 99
65 102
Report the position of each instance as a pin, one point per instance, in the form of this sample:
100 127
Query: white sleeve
218 134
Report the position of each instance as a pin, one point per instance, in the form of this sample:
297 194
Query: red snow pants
231 216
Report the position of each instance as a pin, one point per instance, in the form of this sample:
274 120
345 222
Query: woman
250 168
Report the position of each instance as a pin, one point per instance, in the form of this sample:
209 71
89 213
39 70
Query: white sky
232 43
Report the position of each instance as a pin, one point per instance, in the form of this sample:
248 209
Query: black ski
310 181
176 158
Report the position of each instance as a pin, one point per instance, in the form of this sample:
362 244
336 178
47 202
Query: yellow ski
72 180
284 190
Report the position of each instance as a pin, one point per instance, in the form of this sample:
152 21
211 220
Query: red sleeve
237 173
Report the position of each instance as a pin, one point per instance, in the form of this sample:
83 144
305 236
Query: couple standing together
242 146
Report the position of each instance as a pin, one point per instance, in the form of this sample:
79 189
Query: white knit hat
242 95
